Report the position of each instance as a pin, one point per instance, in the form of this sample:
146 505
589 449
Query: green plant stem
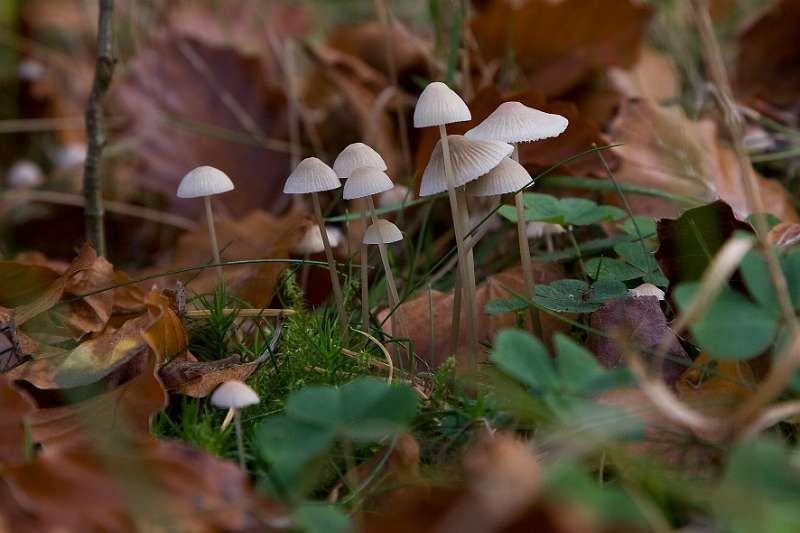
337 289
578 253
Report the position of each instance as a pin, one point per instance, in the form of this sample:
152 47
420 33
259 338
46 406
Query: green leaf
576 296
647 226
634 255
312 517
372 409
613 269
577 367
575 211
733 327
316 404
509 305
288 444
583 212
523 357
508 212
757 280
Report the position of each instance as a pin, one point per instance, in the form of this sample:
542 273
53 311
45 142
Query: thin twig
783 368
92 183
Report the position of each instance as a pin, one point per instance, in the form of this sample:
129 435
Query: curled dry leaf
139 484
640 320
558 45
122 411
664 150
430 333
186 375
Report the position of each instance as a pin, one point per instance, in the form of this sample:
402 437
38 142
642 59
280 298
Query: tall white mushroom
234 395
312 176
355 156
466 161
513 122
204 182
363 183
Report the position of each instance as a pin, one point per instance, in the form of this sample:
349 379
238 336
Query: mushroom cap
234 394
439 104
24 174
471 160
382 231
204 181
311 175
311 241
354 156
366 181
536 229
514 122
508 176
647 289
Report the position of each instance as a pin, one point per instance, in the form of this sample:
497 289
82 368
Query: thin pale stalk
390 283
455 329
525 254
364 276
212 235
237 421
337 289
472 322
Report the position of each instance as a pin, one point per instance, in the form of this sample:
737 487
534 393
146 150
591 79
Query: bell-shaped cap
354 156
647 289
311 242
204 181
536 230
439 104
471 159
382 231
366 181
513 122
508 176
234 394
311 175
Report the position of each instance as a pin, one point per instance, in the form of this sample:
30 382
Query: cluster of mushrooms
483 162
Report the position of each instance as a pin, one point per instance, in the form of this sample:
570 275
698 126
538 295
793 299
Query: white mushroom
24 174
234 395
312 176
513 122
204 182
354 156
311 241
382 232
647 289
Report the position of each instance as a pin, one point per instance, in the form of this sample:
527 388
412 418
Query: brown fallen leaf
186 375
785 235
640 320
766 67
558 45
194 96
15 406
663 149
139 484
431 334
125 410
716 388
257 235
654 77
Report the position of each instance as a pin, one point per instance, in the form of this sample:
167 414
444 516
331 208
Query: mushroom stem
337 289
212 235
455 327
364 274
467 281
394 297
237 421
525 253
